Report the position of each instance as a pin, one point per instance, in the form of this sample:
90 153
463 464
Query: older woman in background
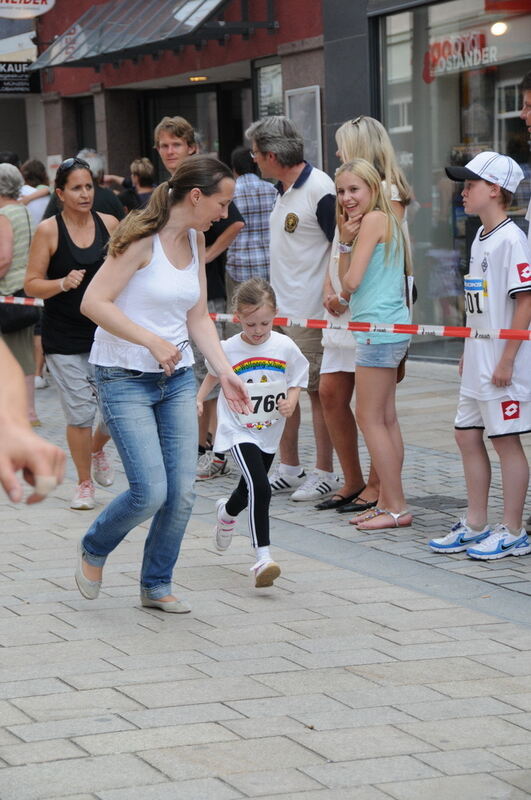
15 239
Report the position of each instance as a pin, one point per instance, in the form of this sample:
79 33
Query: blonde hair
144 171
195 172
365 137
254 292
379 202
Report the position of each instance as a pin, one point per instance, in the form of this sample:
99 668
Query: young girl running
277 370
371 269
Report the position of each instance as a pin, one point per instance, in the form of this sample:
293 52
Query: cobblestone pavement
373 669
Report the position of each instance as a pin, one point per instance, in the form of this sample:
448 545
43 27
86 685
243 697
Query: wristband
345 247
62 285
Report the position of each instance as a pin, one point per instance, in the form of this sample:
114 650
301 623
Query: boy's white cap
489 166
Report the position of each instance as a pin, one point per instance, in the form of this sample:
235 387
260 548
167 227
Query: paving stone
353 718
125 677
93 702
465 761
368 742
180 715
315 681
207 789
249 666
359 793
482 731
370 770
519 754
448 788
36 782
486 687
510 663
225 758
35 752
135 741
427 671
452 709
272 781
260 727
279 706
205 690
519 701
67 728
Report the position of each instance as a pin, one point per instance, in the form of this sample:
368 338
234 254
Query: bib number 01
474 302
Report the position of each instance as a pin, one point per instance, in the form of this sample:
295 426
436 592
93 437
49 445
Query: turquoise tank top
381 296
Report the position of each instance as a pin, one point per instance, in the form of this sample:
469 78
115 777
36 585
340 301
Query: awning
124 29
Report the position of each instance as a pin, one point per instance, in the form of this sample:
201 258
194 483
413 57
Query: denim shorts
386 354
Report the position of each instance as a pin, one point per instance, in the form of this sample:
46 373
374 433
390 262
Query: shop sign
24 9
457 52
15 78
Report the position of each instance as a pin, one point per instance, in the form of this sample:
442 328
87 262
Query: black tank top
65 329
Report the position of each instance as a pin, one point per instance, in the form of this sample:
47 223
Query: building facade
219 78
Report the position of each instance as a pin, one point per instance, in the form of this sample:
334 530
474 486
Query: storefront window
269 90
451 79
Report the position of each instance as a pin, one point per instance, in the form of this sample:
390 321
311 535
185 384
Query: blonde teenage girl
363 137
371 270
274 371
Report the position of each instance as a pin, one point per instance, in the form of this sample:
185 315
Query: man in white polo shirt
302 228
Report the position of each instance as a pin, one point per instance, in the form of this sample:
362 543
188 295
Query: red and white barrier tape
455 332
413 330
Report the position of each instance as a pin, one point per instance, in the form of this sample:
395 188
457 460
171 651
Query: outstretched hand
236 393
43 464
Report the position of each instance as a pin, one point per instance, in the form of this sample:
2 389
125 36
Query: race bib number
264 399
474 294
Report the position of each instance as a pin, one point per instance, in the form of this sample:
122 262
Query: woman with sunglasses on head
67 251
363 137
149 296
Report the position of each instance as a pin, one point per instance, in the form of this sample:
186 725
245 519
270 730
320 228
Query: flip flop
364 515
331 502
379 512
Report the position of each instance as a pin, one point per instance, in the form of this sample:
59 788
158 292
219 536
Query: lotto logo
524 270
511 409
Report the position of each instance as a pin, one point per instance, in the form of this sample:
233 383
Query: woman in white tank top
148 298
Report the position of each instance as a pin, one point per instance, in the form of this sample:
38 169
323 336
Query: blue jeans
153 422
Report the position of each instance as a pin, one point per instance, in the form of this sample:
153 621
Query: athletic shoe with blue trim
460 538
501 543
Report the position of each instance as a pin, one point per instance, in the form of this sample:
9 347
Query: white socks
263 554
288 470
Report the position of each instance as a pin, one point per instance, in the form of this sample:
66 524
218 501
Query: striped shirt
248 255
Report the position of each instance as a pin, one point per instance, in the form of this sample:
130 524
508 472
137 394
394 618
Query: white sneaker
317 485
280 482
102 469
41 382
499 544
83 499
210 466
265 572
224 526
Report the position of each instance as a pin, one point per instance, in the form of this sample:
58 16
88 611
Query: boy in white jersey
495 391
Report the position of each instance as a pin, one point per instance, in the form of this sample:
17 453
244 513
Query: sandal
363 515
337 500
378 512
